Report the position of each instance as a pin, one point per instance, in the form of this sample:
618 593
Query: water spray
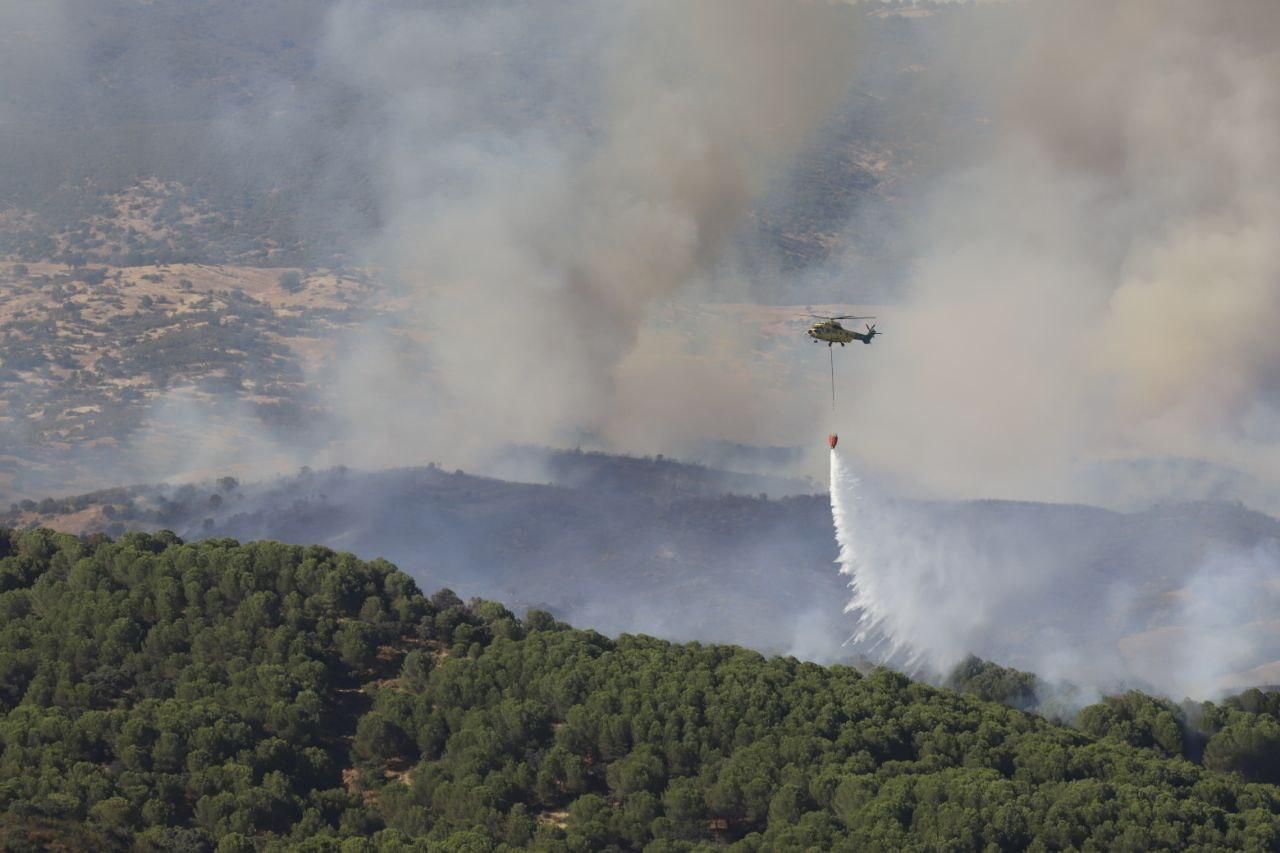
864 603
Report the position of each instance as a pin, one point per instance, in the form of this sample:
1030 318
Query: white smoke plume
1222 633
1102 282
1090 316
532 254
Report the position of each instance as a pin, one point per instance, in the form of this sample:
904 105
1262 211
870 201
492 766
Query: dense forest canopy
198 696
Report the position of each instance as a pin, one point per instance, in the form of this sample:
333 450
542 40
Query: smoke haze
1076 258
532 257
1090 316
1084 263
1082 597
1102 285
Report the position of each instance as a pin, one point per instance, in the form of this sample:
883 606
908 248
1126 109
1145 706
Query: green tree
1250 746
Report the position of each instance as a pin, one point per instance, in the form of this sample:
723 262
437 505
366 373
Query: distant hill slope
239 112
630 544
88 354
156 695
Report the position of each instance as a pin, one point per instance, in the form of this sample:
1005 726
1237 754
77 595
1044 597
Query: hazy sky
1087 278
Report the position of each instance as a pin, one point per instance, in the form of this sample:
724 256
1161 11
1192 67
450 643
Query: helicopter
832 332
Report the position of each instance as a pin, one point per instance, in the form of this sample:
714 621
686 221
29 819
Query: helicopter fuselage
832 332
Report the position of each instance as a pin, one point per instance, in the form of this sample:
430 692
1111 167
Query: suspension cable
831 353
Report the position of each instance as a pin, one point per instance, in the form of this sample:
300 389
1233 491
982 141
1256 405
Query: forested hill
641 545
160 695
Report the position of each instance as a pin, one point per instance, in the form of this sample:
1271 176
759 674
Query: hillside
635 545
686 552
410 439
88 353
166 696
